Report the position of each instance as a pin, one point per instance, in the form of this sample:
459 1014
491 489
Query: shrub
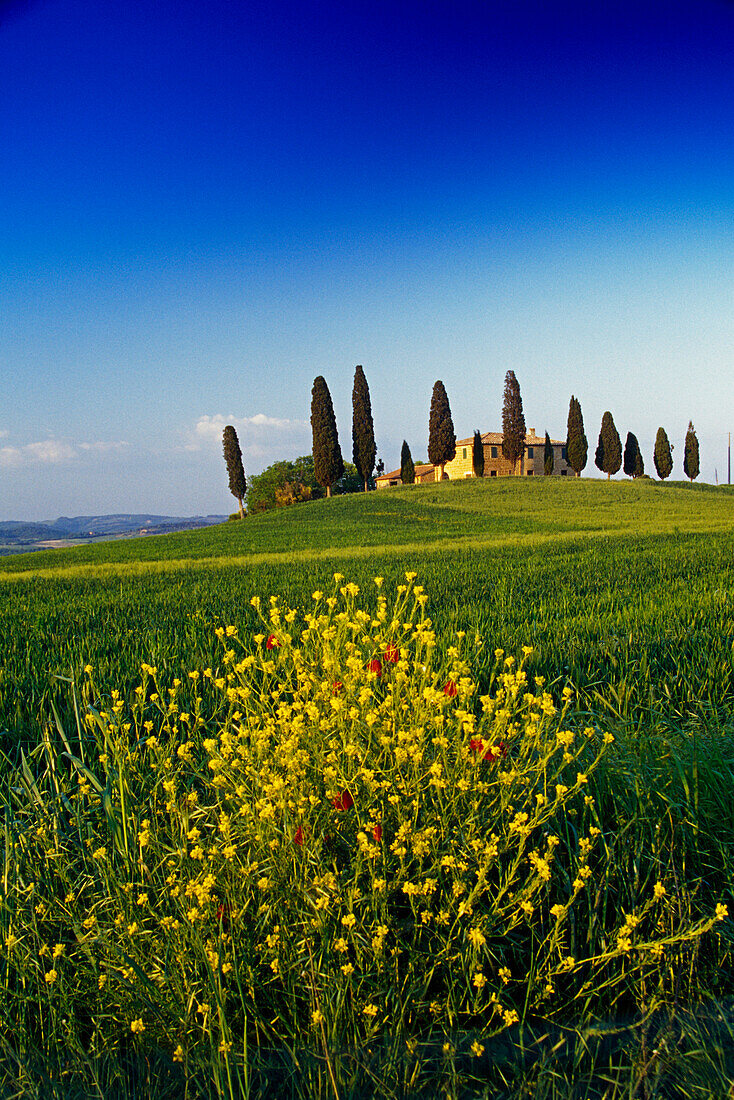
336 834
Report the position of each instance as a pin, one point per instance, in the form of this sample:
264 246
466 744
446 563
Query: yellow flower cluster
335 808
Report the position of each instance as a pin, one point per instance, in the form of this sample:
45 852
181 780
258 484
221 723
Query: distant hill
22 535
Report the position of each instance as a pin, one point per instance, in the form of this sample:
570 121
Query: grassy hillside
486 513
602 578
625 592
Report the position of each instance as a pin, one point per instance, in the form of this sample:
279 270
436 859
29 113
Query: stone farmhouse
530 464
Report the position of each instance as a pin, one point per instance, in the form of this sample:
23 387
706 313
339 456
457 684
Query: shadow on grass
667 1056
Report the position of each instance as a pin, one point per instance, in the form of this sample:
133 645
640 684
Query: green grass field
625 593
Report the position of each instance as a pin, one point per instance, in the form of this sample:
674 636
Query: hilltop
450 516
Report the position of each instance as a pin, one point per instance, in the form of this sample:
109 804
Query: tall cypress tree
632 456
235 469
639 464
691 464
549 458
577 447
327 455
407 466
363 429
513 421
608 456
441 436
662 456
477 454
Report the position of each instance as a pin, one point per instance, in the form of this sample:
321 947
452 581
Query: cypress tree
363 429
441 437
407 467
235 469
639 464
608 456
577 447
327 455
513 421
632 456
548 457
477 454
691 465
662 456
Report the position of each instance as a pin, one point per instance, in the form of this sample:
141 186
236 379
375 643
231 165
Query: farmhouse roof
420 468
531 439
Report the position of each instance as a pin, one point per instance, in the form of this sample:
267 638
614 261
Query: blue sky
202 207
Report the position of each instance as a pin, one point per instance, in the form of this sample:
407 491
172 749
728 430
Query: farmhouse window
493 473
530 452
494 452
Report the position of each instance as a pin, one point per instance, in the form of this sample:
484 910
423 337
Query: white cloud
11 456
102 448
211 427
263 439
52 452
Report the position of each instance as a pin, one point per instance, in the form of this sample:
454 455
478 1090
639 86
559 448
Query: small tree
513 421
407 467
363 429
282 484
327 455
691 465
632 456
639 464
608 456
549 459
477 454
577 447
662 456
441 437
235 469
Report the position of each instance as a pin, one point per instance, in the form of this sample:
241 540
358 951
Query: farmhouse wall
531 463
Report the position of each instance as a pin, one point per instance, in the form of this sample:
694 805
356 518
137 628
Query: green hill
606 900
452 515
622 586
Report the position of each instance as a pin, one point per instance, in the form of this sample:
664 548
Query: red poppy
392 655
491 755
344 801
450 689
223 914
272 642
336 687
375 665
377 832
298 837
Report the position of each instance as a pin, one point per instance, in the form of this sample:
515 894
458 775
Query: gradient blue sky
204 206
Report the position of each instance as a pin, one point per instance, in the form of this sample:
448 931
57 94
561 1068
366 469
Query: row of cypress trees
329 463
327 455
609 457
442 438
